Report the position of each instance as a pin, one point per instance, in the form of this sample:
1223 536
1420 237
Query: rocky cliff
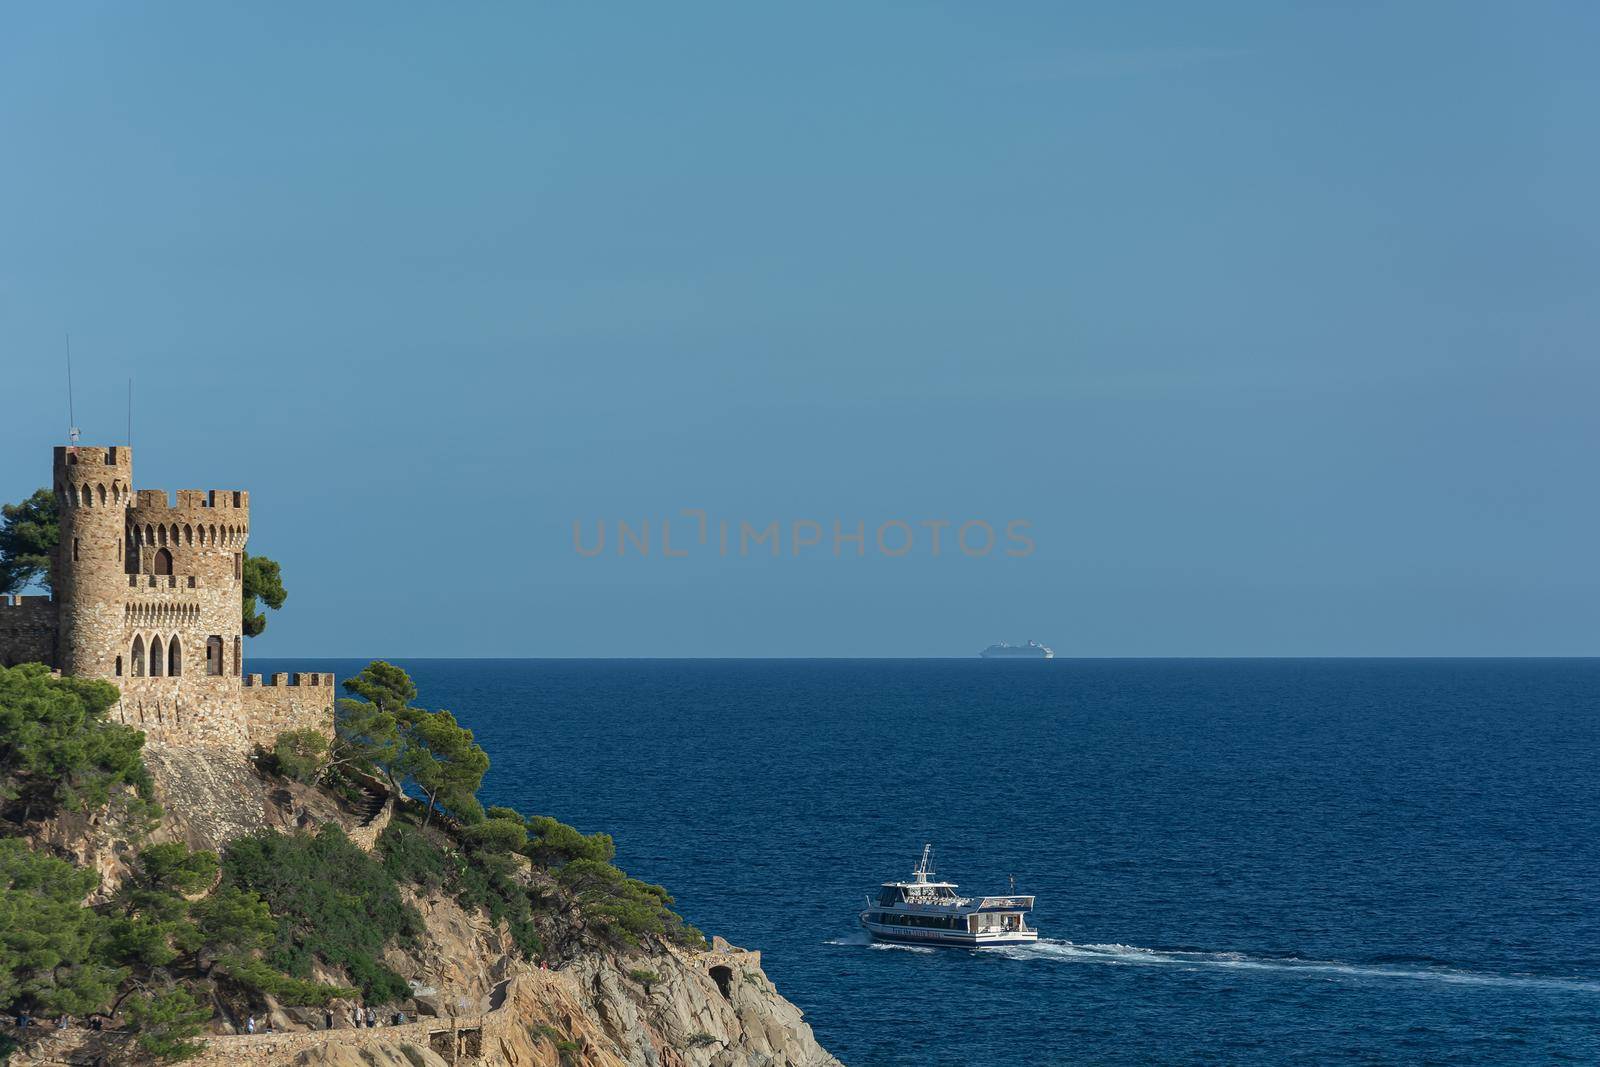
477 1001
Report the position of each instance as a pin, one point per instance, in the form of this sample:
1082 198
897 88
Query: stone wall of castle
187 710
287 702
27 630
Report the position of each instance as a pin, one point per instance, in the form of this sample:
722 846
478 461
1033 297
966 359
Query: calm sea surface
1237 861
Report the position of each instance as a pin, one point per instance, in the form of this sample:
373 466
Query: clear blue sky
1277 321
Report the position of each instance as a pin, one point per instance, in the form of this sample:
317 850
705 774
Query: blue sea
1236 861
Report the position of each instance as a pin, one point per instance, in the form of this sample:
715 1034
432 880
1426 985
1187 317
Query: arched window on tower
157 660
87 498
214 654
174 657
161 562
138 656
100 491
119 666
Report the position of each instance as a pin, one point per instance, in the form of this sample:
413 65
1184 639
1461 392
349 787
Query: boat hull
903 935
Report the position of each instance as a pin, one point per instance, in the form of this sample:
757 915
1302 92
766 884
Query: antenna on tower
130 412
72 416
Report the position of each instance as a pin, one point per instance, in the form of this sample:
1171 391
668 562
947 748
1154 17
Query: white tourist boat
924 911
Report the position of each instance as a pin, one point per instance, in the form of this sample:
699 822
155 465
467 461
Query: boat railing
1006 902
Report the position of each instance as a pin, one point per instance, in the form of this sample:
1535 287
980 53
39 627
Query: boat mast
925 866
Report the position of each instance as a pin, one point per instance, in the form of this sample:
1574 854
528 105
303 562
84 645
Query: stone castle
148 596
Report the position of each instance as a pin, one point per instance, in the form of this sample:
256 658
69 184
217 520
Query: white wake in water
1132 955
862 939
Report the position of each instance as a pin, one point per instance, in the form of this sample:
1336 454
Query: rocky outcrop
706 1009
207 796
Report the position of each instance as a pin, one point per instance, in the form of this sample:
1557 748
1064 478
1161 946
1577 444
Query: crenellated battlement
289 679
30 603
204 518
87 477
82 457
154 500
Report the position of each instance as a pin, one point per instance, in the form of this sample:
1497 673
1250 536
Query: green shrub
255 975
167 1023
411 858
644 977
233 922
332 902
300 755
147 924
495 835
51 958
174 867
487 881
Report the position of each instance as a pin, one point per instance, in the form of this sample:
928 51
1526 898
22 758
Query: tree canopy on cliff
446 764
332 902
29 533
379 727
367 724
58 747
263 584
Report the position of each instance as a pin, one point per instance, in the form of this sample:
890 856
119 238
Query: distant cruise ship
1031 650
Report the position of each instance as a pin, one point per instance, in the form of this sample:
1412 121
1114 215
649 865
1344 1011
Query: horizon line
919 659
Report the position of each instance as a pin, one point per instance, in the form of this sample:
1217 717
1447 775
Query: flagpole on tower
72 415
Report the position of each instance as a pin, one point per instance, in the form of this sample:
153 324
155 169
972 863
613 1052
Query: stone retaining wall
458 1041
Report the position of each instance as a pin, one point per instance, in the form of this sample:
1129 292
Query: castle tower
148 595
93 487
184 588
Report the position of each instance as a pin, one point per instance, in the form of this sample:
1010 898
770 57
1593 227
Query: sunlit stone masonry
148 595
